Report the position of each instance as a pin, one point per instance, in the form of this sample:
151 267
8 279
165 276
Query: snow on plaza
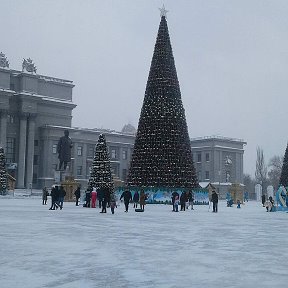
80 247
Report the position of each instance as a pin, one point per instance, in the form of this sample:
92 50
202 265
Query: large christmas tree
284 173
3 173
162 154
101 176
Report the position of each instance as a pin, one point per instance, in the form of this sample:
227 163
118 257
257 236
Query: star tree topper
163 11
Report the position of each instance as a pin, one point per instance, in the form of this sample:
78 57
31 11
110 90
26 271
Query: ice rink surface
80 247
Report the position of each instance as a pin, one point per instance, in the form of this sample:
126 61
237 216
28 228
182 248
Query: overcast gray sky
231 58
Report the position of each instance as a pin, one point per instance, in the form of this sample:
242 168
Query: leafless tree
249 185
261 170
275 168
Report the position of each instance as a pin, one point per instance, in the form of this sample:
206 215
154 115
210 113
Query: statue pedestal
65 179
69 185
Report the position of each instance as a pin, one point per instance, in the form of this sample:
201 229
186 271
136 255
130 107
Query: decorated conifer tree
101 175
284 173
162 154
3 173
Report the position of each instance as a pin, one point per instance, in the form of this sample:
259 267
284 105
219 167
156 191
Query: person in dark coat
136 199
77 194
263 199
87 198
64 149
45 194
100 196
127 196
174 194
54 198
62 194
143 198
191 199
215 201
183 200
105 199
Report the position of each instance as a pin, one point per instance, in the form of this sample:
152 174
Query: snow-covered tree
100 175
3 172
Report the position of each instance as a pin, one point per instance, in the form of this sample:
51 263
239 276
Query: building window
54 148
124 174
10 150
34 180
36 143
10 119
113 154
124 154
199 157
79 150
207 157
35 160
90 151
79 170
207 175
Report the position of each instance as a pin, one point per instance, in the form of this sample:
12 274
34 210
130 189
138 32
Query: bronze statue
64 150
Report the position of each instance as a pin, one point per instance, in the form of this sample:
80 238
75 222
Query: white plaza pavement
80 247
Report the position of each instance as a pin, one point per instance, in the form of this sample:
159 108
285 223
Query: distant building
219 161
35 110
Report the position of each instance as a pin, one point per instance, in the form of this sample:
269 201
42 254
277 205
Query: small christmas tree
162 154
284 173
101 175
3 172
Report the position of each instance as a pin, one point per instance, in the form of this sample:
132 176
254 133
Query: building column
3 129
22 152
30 151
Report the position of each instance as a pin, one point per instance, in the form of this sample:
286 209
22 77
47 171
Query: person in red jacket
93 198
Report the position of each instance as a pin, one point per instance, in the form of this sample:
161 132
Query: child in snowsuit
113 205
238 204
176 203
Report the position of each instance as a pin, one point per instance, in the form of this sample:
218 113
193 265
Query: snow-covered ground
79 247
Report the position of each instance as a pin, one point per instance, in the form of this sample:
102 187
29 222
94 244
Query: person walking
183 201
105 199
136 199
127 196
44 196
215 201
54 197
93 198
77 194
62 194
142 200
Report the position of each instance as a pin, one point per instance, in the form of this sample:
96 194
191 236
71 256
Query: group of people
268 203
104 199
57 197
186 199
